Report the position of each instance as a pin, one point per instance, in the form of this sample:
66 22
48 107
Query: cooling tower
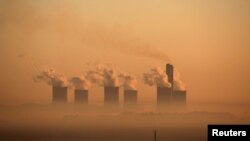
179 98
111 96
130 98
59 94
163 98
81 96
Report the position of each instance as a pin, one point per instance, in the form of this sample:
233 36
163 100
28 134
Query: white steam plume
178 83
80 83
51 77
129 82
103 75
156 77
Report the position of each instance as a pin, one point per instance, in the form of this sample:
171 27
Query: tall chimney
178 97
170 73
81 96
130 98
59 94
111 96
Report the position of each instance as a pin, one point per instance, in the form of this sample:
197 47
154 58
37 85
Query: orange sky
207 41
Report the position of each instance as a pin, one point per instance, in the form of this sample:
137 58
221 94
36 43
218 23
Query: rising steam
103 75
178 83
51 77
80 83
156 77
128 82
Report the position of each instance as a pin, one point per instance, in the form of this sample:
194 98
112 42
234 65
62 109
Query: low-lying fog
71 122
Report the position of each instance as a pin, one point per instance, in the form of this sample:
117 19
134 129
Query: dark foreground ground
139 134
67 123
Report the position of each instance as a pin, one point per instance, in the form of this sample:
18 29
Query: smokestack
170 73
130 98
59 94
81 96
178 92
111 96
179 99
163 98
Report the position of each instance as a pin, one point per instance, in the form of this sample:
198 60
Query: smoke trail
72 29
178 83
103 76
29 60
51 77
121 41
128 82
156 77
80 83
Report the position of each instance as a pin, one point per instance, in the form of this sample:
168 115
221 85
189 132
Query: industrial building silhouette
167 97
179 99
59 94
81 96
111 96
170 73
163 97
130 98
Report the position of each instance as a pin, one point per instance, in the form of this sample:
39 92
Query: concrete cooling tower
59 94
163 97
179 99
111 96
81 96
130 98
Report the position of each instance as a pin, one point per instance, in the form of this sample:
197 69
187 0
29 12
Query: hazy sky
207 41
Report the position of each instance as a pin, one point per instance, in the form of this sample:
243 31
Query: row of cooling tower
111 96
166 97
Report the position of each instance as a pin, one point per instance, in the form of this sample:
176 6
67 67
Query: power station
167 97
